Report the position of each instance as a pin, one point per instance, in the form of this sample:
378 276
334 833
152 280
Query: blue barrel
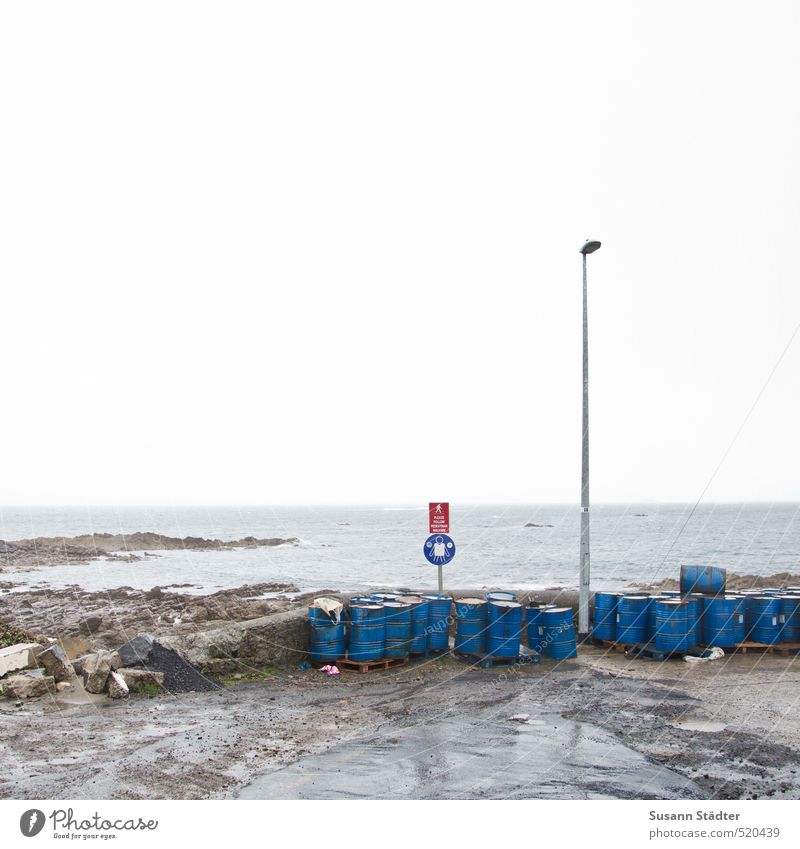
470 625
632 618
327 636
673 624
763 619
367 632
419 623
559 633
503 628
709 580
398 628
723 621
365 599
651 616
534 627
696 604
501 595
604 620
439 607
382 597
790 611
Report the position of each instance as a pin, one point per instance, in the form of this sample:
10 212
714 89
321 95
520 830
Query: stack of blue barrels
497 626
702 613
382 625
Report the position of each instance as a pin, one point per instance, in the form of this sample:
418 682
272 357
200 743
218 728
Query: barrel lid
501 602
470 601
634 596
558 610
368 606
434 597
672 602
411 599
542 605
396 604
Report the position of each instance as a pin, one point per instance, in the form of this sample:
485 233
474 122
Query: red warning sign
439 515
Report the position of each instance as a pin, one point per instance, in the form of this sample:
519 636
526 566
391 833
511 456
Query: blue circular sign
439 549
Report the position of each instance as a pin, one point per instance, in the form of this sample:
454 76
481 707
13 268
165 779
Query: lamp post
583 597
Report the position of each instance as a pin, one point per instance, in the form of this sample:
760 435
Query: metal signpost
439 548
583 597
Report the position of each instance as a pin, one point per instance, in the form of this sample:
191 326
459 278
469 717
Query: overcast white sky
328 252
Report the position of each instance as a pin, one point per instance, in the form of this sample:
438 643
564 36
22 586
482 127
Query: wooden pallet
371 665
763 648
647 650
650 651
487 661
608 644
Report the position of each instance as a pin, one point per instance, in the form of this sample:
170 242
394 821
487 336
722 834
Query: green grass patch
147 690
10 636
250 676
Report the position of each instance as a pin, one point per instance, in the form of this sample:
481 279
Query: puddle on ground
481 756
694 724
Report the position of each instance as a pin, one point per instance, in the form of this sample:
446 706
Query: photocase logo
31 822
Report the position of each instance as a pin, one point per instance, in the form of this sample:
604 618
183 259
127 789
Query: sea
361 547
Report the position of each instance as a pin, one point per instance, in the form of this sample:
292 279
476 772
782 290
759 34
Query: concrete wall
279 640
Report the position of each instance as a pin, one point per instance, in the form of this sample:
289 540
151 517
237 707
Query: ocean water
354 548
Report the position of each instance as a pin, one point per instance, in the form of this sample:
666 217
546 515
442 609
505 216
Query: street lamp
583 596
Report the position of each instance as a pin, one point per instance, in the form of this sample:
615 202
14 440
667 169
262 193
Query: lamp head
590 248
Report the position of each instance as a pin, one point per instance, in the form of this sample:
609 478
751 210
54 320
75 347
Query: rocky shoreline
23 554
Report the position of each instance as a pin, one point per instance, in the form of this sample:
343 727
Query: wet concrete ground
601 726
478 756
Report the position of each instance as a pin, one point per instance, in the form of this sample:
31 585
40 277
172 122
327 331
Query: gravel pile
179 675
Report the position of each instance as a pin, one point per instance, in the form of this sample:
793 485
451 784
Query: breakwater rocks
734 582
21 554
105 619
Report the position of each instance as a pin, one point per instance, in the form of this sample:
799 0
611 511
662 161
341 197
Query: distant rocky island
21 554
534 525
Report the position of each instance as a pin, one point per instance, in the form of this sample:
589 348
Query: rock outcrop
56 663
96 668
278 640
117 686
26 686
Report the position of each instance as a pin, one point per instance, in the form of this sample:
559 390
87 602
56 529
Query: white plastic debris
713 653
332 606
520 717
